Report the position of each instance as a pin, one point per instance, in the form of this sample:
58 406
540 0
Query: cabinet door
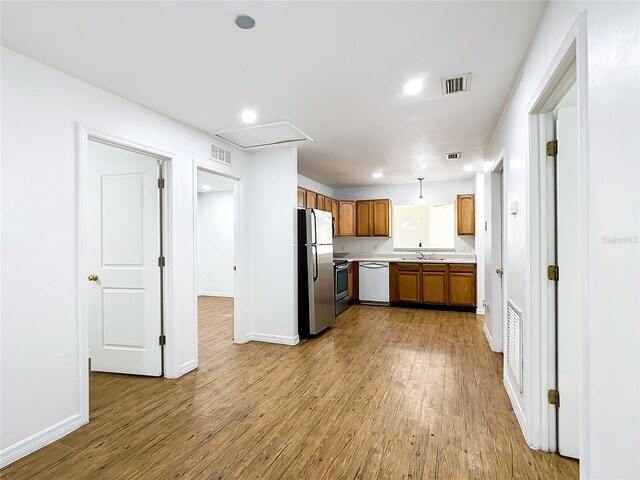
346 218
409 286
312 198
334 212
434 286
381 212
408 282
462 288
364 218
327 204
320 201
466 215
301 197
350 283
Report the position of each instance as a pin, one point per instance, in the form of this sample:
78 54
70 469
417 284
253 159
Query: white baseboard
40 439
487 334
517 408
268 338
480 311
205 293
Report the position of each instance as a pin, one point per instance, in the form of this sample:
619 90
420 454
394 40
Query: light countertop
405 258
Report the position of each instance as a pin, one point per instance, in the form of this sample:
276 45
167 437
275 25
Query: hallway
387 393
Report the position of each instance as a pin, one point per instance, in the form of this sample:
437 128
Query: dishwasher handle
374 265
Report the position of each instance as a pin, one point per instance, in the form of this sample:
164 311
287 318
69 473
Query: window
424 226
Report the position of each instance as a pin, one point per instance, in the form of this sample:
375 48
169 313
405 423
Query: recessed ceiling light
205 187
377 174
413 87
249 116
469 168
245 21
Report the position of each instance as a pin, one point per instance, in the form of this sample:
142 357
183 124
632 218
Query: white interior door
123 305
569 281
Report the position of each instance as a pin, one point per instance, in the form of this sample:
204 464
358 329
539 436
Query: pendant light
421 200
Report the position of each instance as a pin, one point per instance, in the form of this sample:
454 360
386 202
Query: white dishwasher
374 282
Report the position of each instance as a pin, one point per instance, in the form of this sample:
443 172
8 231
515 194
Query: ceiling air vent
453 155
220 155
461 83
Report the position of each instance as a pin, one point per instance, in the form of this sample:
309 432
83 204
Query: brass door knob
93 277
499 271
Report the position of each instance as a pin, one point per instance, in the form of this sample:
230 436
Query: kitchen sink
438 259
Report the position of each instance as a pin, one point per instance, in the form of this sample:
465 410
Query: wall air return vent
461 83
264 135
220 155
453 155
514 343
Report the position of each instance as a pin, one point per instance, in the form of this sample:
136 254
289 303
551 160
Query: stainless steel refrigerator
316 304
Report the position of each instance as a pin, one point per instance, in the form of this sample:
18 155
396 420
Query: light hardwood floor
387 393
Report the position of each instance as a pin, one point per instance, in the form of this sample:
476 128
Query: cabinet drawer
408 267
464 267
434 267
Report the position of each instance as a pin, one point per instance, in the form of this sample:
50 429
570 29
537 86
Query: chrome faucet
421 255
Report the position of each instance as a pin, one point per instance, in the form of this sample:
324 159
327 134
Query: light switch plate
513 208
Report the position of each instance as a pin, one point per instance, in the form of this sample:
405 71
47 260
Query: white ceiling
334 69
215 183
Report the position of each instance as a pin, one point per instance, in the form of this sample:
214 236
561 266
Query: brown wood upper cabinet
327 204
466 214
320 201
364 218
312 199
334 212
346 218
301 197
373 218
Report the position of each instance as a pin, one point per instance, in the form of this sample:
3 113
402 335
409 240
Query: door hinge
163 340
553 272
161 261
161 183
552 148
554 397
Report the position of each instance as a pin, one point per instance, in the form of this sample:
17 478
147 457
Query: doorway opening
122 191
215 261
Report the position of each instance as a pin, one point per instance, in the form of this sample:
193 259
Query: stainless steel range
341 285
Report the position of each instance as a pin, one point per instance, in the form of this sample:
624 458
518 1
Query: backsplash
385 245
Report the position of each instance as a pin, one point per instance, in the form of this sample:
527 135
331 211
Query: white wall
273 235
433 192
308 183
610 436
43 365
215 244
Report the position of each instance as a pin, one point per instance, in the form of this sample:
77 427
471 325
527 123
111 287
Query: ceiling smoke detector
453 155
458 84
245 22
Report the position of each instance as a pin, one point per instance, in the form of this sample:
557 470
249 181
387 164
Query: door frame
569 65
83 136
498 325
241 278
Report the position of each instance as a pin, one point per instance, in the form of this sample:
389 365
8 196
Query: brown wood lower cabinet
408 282
354 284
433 284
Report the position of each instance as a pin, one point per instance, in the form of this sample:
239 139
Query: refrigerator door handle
314 228
315 263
